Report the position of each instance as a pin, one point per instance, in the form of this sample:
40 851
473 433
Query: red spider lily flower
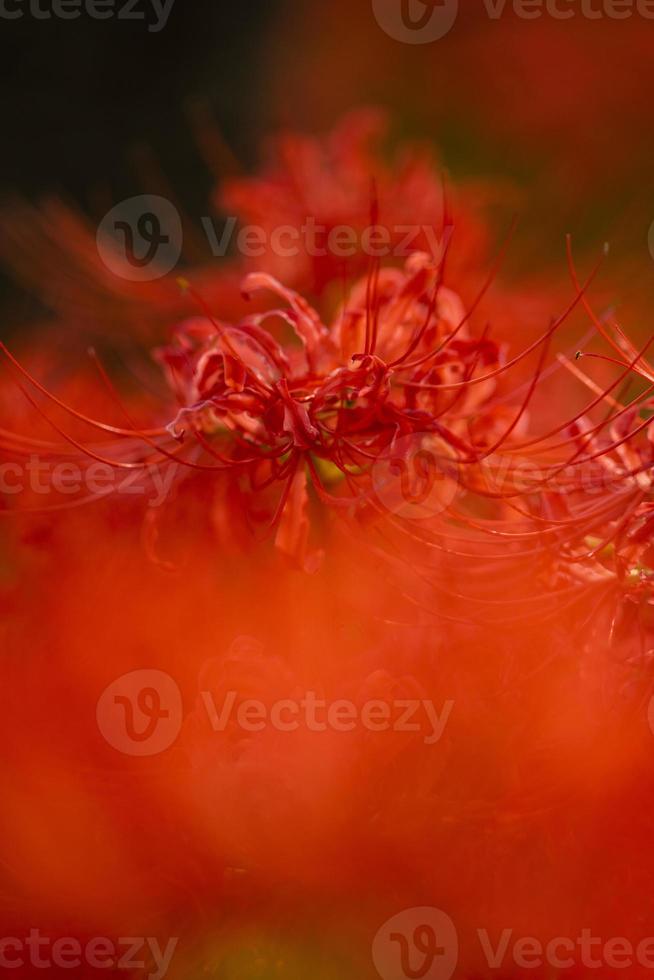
315 415
612 549
314 187
396 377
501 591
303 815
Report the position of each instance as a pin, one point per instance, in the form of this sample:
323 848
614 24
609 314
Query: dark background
82 101
561 108
77 96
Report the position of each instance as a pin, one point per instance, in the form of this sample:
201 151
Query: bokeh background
557 107
557 115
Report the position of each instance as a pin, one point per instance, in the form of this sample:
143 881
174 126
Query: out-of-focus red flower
314 187
521 94
495 605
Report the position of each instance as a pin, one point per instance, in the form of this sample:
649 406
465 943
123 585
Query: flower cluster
403 497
